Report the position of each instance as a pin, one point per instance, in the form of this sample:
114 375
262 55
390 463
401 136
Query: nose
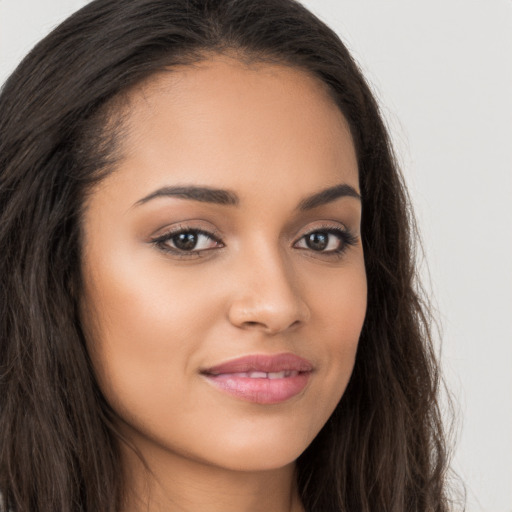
266 295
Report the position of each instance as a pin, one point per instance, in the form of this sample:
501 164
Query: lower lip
260 391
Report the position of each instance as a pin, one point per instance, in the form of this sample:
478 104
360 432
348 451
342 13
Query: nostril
251 324
269 327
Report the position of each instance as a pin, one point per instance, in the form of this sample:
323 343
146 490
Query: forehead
226 123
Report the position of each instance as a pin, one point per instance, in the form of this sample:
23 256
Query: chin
261 453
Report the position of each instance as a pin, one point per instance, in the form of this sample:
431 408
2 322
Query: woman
208 296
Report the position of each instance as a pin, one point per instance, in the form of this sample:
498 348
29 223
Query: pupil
185 241
317 241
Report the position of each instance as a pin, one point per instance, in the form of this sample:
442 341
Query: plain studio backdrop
442 71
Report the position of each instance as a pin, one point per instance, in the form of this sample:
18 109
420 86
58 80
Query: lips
261 378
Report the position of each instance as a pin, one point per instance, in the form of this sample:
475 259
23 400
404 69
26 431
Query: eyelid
347 238
329 226
160 240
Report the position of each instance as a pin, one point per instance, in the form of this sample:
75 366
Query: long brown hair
383 449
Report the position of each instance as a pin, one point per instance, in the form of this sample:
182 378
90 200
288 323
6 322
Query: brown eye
185 241
323 241
317 241
328 241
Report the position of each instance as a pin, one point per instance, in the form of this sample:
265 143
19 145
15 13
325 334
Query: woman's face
224 281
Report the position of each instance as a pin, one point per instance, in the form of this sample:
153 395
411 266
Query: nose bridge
267 295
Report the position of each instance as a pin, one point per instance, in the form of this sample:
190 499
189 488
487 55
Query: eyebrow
328 195
228 198
202 194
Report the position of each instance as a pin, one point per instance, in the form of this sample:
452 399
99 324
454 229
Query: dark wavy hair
383 448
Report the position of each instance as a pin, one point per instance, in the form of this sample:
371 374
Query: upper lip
262 363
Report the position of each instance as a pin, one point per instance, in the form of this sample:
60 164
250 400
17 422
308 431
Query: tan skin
262 276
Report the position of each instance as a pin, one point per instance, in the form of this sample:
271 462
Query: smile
269 375
261 379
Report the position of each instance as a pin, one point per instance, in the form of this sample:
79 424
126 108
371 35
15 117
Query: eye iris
317 241
185 241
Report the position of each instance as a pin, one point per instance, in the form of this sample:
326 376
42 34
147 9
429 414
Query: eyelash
346 239
162 242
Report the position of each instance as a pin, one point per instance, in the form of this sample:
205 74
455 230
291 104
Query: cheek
139 302
340 310
339 303
142 327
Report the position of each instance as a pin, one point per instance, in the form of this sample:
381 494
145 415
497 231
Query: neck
172 483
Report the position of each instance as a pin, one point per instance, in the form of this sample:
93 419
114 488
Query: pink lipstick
261 378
